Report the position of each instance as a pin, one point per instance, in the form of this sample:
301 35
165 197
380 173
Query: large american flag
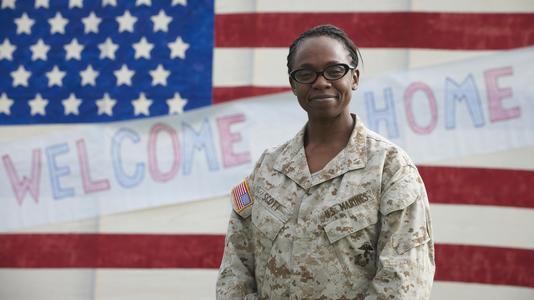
76 61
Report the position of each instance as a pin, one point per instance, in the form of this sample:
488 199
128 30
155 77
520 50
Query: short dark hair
329 31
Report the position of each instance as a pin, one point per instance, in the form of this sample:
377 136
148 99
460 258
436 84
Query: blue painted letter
124 179
197 141
56 172
466 91
387 114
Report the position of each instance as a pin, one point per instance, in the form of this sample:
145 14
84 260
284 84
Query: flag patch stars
83 61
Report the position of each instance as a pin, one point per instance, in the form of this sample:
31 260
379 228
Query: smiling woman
337 212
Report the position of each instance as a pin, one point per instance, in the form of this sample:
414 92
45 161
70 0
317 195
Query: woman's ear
355 79
292 84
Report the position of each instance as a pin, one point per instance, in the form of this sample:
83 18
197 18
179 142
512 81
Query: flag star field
77 61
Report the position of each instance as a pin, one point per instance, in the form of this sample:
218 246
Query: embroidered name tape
242 199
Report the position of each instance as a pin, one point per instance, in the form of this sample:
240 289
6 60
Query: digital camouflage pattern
358 229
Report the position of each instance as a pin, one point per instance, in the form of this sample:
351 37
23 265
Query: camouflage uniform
358 229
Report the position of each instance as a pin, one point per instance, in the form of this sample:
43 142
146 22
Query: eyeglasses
308 76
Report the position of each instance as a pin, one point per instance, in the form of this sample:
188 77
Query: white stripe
452 224
521 159
483 225
267 66
133 284
30 284
268 6
469 291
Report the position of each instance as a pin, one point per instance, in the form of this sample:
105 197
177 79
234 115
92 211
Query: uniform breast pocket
353 237
266 221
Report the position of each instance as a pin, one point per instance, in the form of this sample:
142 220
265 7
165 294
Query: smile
323 97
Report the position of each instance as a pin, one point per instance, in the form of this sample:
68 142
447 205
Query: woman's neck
329 131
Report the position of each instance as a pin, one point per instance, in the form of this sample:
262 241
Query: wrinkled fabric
358 229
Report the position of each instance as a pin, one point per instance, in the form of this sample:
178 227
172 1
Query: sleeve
236 278
405 262
236 274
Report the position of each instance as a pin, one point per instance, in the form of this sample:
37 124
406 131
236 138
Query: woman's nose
321 82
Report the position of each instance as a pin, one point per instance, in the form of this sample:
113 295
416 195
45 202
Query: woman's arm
236 275
405 262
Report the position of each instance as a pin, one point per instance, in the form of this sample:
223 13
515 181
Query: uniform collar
292 160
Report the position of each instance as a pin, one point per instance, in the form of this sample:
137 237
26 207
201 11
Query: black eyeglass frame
317 73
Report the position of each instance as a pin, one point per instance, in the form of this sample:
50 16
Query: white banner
470 107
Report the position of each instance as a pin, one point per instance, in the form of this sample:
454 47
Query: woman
338 212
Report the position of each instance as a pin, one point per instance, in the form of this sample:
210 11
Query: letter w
21 186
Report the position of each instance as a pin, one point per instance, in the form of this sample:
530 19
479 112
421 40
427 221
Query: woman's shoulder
381 148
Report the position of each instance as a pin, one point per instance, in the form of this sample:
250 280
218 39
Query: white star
159 75
57 24
91 23
24 24
108 49
6 50
181 2
105 105
71 105
20 76
178 48
176 104
141 2
142 105
38 105
39 50
5 104
89 76
109 2
75 3
55 77
41 3
143 48
124 76
8 4
73 50
126 22
161 21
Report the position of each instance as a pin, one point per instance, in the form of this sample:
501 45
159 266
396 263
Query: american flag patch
242 198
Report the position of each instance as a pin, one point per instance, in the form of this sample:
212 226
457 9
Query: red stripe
225 94
470 31
110 251
236 201
500 187
489 265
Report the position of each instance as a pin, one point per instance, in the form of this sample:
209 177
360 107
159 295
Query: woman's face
323 99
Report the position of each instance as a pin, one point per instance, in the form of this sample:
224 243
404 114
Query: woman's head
328 31
322 64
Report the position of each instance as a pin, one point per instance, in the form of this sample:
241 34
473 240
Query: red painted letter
496 95
89 186
228 138
153 167
21 186
408 99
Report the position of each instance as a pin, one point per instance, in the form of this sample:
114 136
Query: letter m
21 186
465 92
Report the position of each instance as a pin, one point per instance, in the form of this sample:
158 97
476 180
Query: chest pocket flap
267 221
349 224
